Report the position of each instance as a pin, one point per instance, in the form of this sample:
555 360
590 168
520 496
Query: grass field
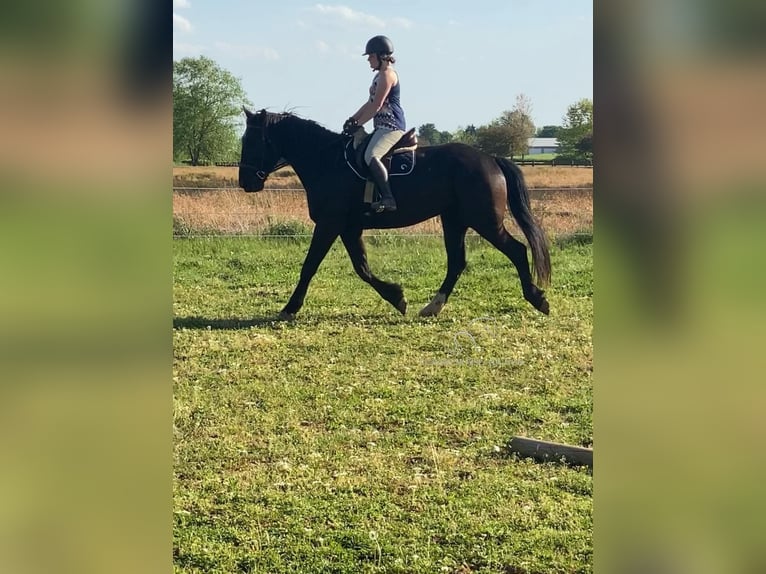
357 440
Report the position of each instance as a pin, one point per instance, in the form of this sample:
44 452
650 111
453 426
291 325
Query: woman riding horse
385 111
462 185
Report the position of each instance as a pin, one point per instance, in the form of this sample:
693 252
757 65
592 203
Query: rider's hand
350 126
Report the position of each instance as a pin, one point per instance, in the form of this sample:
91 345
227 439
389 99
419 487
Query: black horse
465 187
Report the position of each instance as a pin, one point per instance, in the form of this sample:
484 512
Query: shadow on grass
224 324
274 321
574 239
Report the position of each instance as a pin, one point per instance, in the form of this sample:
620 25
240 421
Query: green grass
537 156
357 440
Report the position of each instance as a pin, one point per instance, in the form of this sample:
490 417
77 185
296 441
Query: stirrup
383 205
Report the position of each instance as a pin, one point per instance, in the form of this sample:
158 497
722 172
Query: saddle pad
402 163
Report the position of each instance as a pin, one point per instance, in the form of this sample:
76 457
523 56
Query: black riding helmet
379 45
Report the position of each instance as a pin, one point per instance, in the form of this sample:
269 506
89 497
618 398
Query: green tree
548 132
577 125
466 135
428 135
207 107
509 134
494 139
585 145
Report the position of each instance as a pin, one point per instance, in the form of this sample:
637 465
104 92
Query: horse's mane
302 127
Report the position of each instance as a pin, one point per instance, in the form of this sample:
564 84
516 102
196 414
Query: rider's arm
386 81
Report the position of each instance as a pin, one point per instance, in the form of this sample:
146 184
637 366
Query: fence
227 210
563 162
555 162
294 189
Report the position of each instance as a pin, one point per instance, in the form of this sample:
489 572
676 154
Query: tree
466 135
548 132
429 135
577 125
585 145
494 139
509 134
207 106
519 121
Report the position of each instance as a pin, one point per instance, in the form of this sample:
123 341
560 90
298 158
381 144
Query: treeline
207 118
508 134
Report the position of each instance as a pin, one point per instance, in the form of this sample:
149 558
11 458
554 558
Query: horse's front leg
321 241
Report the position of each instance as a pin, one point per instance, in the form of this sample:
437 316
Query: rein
262 174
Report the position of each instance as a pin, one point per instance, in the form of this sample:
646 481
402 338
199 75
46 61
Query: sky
459 62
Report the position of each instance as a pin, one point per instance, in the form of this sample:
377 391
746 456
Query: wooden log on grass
551 451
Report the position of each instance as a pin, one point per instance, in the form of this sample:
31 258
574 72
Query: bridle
261 143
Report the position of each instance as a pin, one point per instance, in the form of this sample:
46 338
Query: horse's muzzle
251 184
252 189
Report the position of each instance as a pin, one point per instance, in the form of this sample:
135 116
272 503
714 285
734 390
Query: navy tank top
391 115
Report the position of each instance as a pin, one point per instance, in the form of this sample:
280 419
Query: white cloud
181 23
346 15
181 3
322 47
400 23
247 51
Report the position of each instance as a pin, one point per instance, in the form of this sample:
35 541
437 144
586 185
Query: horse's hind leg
454 241
516 251
391 292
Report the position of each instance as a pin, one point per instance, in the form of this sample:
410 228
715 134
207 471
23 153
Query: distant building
542 145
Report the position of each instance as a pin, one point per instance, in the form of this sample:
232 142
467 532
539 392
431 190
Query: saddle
403 150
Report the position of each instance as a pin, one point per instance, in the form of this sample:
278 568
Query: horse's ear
248 113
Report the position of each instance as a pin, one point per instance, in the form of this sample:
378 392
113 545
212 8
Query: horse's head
259 158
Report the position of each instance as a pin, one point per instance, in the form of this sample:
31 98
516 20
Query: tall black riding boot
380 176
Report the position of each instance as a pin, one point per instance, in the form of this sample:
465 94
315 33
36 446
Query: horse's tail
518 203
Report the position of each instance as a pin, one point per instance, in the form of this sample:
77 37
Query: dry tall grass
537 176
224 210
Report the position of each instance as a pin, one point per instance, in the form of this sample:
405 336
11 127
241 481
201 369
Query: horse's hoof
401 306
435 306
286 316
536 298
